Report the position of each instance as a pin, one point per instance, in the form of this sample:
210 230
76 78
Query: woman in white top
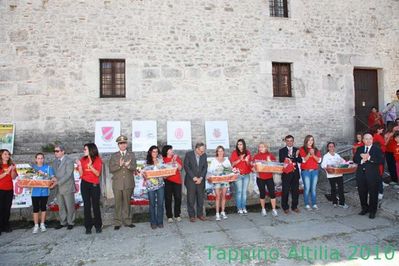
216 167
332 158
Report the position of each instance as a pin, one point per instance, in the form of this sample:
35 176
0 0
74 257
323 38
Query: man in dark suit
196 166
368 178
290 181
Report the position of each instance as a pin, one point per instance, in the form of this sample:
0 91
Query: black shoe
372 215
363 212
98 230
58 226
88 231
131 225
117 227
69 227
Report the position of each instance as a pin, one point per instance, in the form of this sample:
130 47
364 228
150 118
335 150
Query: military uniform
122 183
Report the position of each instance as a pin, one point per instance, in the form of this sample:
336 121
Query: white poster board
106 134
7 134
144 134
179 135
216 133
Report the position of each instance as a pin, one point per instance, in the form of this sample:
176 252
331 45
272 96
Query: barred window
112 78
278 8
281 79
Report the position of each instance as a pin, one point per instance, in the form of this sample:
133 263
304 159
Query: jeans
310 182
156 198
172 190
241 186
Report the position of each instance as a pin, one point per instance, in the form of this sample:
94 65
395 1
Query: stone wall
191 60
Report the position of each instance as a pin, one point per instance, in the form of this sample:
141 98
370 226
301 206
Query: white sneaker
308 207
274 213
335 205
223 215
315 207
344 206
385 184
240 212
43 228
35 229
393 183
380 196
263 212
217 216
244 211
178 219
396 186
170 220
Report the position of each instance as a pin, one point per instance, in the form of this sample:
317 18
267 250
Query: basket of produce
162 170
341 169
33 179
269 167
223 178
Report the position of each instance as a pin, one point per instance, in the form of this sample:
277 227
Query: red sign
179 133
107 133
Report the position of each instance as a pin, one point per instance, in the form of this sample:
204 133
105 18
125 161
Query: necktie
367 149
123 155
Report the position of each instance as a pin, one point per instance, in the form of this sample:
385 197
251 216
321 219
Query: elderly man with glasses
63 168
394 103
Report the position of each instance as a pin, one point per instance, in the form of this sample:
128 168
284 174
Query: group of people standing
163 191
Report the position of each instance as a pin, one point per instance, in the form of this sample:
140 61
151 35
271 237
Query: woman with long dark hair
90 166
8 172
155 187
311 158
241 159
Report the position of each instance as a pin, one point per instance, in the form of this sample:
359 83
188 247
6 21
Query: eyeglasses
56 151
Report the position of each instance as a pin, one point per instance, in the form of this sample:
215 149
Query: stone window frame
281 76
113 73
278 8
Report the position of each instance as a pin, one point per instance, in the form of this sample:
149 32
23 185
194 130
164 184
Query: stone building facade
193 60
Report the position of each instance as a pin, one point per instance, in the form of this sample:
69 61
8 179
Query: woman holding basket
217 166
40 195
155 187
8 172
264 180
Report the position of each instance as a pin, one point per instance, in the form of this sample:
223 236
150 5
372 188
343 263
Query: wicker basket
341 171
160 172
269 167
30 183
223 178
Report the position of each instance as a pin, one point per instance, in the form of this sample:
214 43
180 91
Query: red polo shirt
377 138
311 163
263 157
355 146
177 177
88 175
243 166
391 145
6 182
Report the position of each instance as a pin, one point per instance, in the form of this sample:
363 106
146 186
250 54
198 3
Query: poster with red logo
106 134
144 134
216 133
179 135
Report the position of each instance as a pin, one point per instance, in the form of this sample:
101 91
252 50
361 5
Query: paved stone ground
210 242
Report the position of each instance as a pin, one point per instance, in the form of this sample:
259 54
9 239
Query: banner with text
106 134
144 134
179 135
216 133
7 132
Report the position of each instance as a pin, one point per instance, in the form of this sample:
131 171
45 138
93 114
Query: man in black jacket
368 176
290 180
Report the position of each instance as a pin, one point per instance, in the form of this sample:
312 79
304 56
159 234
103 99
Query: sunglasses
56 151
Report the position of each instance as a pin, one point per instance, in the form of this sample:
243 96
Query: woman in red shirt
241 159
90 166
7 173
311 158
172 184
389 153
265 179
375 118
357 144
